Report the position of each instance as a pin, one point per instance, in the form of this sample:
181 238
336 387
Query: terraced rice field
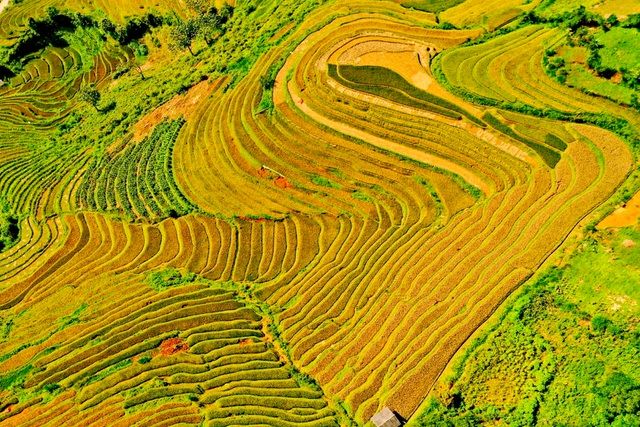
301 246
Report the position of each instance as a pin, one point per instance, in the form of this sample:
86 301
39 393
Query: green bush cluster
9 226
170 277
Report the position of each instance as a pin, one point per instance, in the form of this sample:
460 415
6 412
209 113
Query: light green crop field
319 213
618 45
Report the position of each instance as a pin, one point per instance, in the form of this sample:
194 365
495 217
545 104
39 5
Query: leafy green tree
140 51
182 35
632 21
209 26
226 12
610 22
90 95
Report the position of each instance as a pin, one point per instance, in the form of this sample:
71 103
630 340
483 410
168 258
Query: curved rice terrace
283 212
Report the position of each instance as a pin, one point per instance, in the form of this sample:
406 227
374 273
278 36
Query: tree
635 102
633 21
610 22
183 33
209 26
225 13
90 95
140 52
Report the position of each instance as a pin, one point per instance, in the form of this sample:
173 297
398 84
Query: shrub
164 279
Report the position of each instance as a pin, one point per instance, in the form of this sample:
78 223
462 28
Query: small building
386 418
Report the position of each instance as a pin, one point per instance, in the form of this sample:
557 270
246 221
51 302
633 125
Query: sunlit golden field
298 213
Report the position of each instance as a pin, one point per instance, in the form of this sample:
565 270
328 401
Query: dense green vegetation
165 279
137 181
565 349
9 226
598 56
618 45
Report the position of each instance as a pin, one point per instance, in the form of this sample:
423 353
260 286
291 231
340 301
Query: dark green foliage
555 66
572 20
144 359
623 395
133 29
209 25
601 323
50 388
90 95
551 157
41 33
15 377
183 33
9 226
386 83
632 21
446 26
610 22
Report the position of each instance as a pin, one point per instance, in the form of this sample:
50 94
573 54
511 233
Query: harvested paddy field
298 213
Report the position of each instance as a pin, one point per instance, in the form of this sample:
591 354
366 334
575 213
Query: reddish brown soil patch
173 346
245 342
282 182
617 78
263 173
179 106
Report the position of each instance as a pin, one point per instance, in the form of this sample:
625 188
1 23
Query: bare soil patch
625 216
281 182
172 346
179 106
